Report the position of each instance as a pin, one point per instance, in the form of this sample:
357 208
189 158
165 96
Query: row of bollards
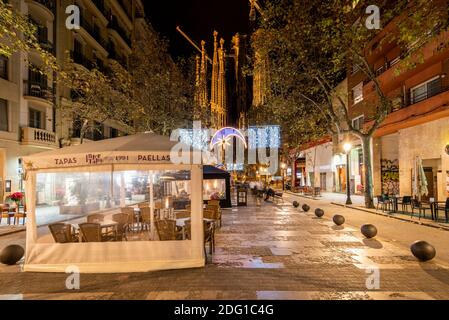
422 250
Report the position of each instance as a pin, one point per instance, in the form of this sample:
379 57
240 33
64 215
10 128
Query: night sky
198 19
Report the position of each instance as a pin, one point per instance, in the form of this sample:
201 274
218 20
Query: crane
192 42
257 6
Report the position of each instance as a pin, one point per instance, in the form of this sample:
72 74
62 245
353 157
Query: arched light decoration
223 136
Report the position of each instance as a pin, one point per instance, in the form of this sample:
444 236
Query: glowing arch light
223 136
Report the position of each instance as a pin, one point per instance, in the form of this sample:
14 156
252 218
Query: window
35 120
3 115
358 122
3 67
425 90
357 93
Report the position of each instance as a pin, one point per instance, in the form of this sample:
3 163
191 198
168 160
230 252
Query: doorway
341 176
323 181
430 184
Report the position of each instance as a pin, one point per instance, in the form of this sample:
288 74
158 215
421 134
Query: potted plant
17 198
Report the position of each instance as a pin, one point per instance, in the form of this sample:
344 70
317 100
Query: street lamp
347 147
283 166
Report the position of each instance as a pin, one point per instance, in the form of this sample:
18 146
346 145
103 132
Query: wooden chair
90 232
4 213
129 211
95 218
166 230
122 220
145 214
158 208
210 214
182 214
217 212
214 202
143 205
209 235
20 215
62 233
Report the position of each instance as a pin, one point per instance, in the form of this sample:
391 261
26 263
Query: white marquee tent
100 177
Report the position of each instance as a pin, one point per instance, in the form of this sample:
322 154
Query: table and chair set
134 221
13 214
392 204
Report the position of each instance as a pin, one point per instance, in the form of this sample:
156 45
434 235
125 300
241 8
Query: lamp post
283 166
347 147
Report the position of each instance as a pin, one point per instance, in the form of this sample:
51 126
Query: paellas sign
98 158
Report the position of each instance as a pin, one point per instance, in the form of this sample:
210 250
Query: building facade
417 126
29 101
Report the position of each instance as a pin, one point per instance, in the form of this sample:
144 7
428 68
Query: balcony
93 32
38 89
431 91
423 108
81 59
39 137
114 25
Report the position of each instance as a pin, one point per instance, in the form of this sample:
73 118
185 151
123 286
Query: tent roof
132 143
211 170
141 148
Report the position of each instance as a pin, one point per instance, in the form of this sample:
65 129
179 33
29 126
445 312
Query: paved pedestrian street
269 252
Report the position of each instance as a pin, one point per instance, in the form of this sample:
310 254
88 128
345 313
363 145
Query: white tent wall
111 257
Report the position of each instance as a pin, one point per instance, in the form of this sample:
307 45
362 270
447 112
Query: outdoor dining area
420 203
118 205
13 214
134 223
437 211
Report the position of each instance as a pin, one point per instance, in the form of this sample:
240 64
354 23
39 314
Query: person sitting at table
269 193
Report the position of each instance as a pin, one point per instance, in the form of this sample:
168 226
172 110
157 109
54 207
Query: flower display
16 197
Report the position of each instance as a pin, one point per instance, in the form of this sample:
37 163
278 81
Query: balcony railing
38 90
86 25
430 92
401 101
34 136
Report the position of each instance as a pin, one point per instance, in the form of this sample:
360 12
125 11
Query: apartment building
27 100
29 121
105 34
418 125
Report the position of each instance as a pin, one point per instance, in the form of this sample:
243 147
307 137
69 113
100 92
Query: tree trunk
83 131
367 163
